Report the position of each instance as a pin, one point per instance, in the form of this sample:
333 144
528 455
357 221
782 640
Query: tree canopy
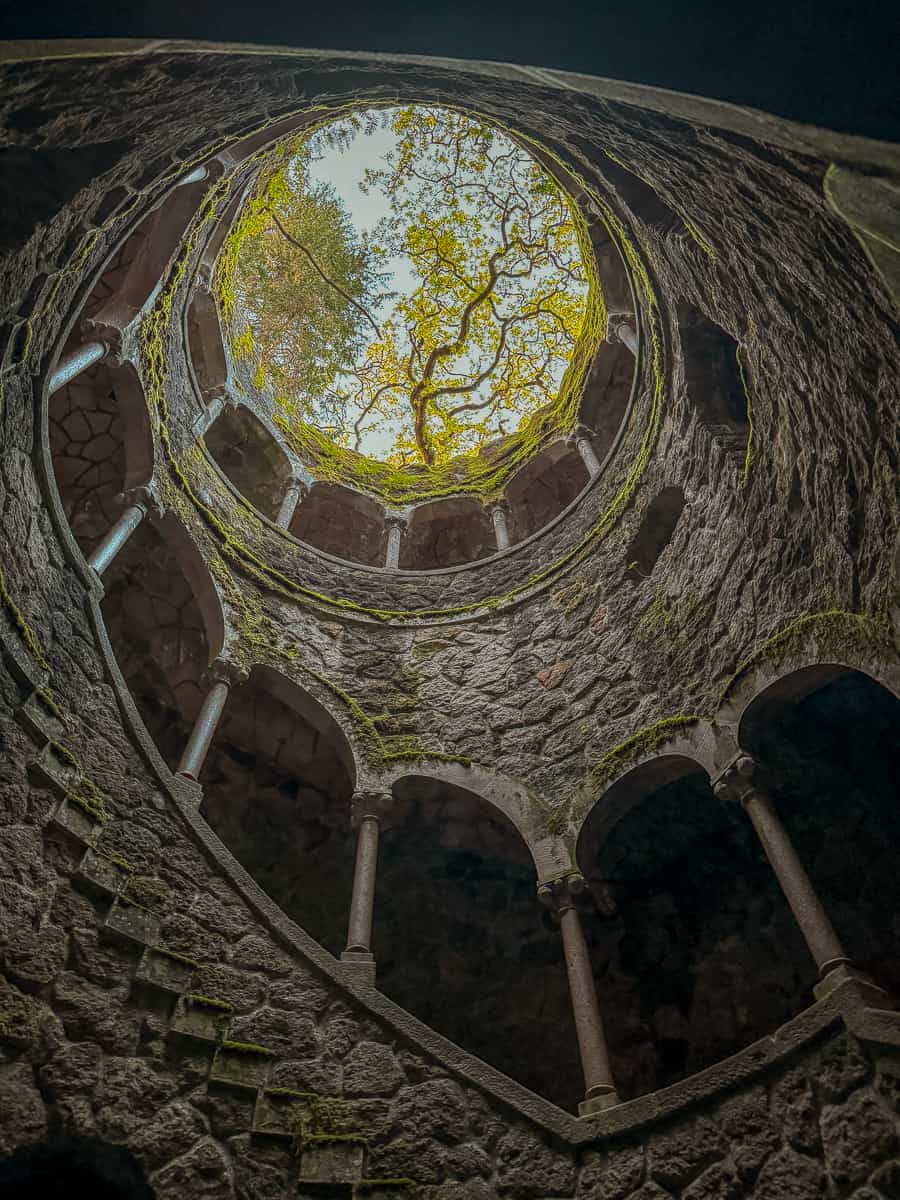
493 301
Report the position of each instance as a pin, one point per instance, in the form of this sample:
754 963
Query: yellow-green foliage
483 474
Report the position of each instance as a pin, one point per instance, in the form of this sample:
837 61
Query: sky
344 169
831 63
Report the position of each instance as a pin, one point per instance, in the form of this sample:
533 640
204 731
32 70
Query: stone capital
739 780
580 432
395 521
144 497
615 321
232 674
564 892
370 803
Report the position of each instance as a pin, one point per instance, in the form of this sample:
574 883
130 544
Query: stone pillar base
596 1104
359 966
863 989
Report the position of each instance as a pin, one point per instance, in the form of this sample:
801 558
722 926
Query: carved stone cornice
740 780
365 803
568 891
221 671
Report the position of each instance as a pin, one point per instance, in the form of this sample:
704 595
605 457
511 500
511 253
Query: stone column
599 1088
223 677
738 783
211 414
621 329
367 810
194 176
499 514
139 502
580 438
395 527
296 492
74 363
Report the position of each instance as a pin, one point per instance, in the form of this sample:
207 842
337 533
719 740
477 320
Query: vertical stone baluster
499 516
739 783
74 363
599 1088
367 811
295 494
395 527
580 439
222 678
138 501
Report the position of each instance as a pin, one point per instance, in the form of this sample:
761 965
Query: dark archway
277 786
543 488
695 951
655 531
714 384
162 634
341 522
204 338
251 458
461 941
81 1166
446 533
829 740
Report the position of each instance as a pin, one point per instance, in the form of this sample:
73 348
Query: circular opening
415 297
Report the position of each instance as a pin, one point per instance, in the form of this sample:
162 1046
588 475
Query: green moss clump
645 741
248 1048
844 634
176 957
207 1001
329 1139
33 643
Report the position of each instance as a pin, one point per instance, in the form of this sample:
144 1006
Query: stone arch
655 531
101 445
460 939
696 951
251 457
277 782
341 522
205 345
446 533
512 799
714 384
544 487
137 267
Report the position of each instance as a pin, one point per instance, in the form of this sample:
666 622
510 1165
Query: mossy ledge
835 631
644 742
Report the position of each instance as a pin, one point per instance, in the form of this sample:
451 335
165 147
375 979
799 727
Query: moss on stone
247 1048
836 631
642 743
199 1001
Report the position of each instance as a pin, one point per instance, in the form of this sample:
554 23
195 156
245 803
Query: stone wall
153 995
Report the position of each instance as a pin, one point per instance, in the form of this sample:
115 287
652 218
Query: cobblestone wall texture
113 914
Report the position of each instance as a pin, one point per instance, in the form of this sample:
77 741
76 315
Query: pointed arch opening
714 385
205 345
543 488
655 531
165 624
461 941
